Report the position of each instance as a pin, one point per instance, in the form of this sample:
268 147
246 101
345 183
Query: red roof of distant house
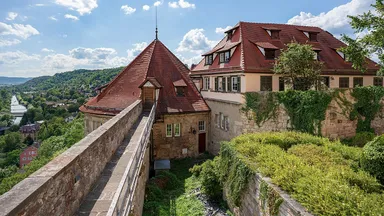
247 57
157 64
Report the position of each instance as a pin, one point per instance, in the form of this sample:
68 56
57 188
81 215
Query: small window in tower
180 91
275 34
270 54
313 36
229 35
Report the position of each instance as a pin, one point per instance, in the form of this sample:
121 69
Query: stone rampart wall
59 187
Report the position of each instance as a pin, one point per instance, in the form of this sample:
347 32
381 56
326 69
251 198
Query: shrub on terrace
373 158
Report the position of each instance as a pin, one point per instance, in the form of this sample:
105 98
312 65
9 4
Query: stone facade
185 145
59 187
92 122
138 197
251 204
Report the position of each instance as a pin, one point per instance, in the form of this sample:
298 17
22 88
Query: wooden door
202 138
149 98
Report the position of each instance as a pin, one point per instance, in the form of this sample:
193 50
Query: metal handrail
123 198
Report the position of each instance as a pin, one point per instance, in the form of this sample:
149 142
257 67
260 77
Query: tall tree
299 66
371 26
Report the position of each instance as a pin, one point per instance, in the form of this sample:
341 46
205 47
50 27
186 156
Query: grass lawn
174 192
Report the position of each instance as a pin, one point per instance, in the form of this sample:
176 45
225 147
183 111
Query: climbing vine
368 104
270 197
234 173
306 109
263 105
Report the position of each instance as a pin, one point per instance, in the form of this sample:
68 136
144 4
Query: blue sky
43 37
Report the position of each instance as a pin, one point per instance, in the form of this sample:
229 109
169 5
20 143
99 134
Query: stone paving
97 202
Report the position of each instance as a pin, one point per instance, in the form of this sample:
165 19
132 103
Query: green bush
323 176
362 138
209 177
372 159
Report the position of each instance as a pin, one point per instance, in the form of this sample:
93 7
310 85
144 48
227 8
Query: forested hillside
84 80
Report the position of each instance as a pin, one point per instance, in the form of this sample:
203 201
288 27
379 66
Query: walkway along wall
59 187
337 124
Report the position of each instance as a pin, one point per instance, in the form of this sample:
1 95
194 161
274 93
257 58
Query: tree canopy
299 66
371 26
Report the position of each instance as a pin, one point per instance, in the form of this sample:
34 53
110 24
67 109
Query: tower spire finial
156 25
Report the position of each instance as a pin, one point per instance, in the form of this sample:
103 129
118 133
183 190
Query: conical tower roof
158 63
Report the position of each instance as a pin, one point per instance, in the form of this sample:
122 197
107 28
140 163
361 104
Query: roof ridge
284 24
102 94
242 59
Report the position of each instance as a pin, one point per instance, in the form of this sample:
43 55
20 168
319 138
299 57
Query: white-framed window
217 120
235 84
169 130
206 84
201 125
209 59
222 125
177 129
24 158
226 123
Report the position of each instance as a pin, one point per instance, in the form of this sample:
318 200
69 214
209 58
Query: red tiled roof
157 62
247 57
266 45
180 83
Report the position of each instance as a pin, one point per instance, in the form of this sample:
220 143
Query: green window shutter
216 84
229 84
224 83
239 84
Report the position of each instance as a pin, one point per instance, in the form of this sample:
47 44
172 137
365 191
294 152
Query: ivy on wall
368 104
307 109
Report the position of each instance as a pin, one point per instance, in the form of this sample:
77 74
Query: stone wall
92 122
138 197
172 147
59 187
252 204
217 135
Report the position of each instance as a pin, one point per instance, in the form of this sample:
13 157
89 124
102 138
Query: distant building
30 130
28 154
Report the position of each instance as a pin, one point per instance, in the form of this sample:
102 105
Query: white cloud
16 57
189 61
136 50
81 6
128 10
222 30
89 53
19 30
146 7
47 50
195 41
53 18
158 3
335 20
69 16
39 5
4 42
64 36
11 16
181 4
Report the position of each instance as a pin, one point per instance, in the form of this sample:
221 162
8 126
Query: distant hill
85 80
13 80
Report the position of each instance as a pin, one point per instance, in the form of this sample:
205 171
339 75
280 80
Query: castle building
157 76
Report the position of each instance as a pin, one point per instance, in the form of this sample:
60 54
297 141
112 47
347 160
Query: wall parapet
59 187
252 202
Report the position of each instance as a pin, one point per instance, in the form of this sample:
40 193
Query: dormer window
208 59
313 36
342 55
180 91
229 35
275 34
270 54
225 56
